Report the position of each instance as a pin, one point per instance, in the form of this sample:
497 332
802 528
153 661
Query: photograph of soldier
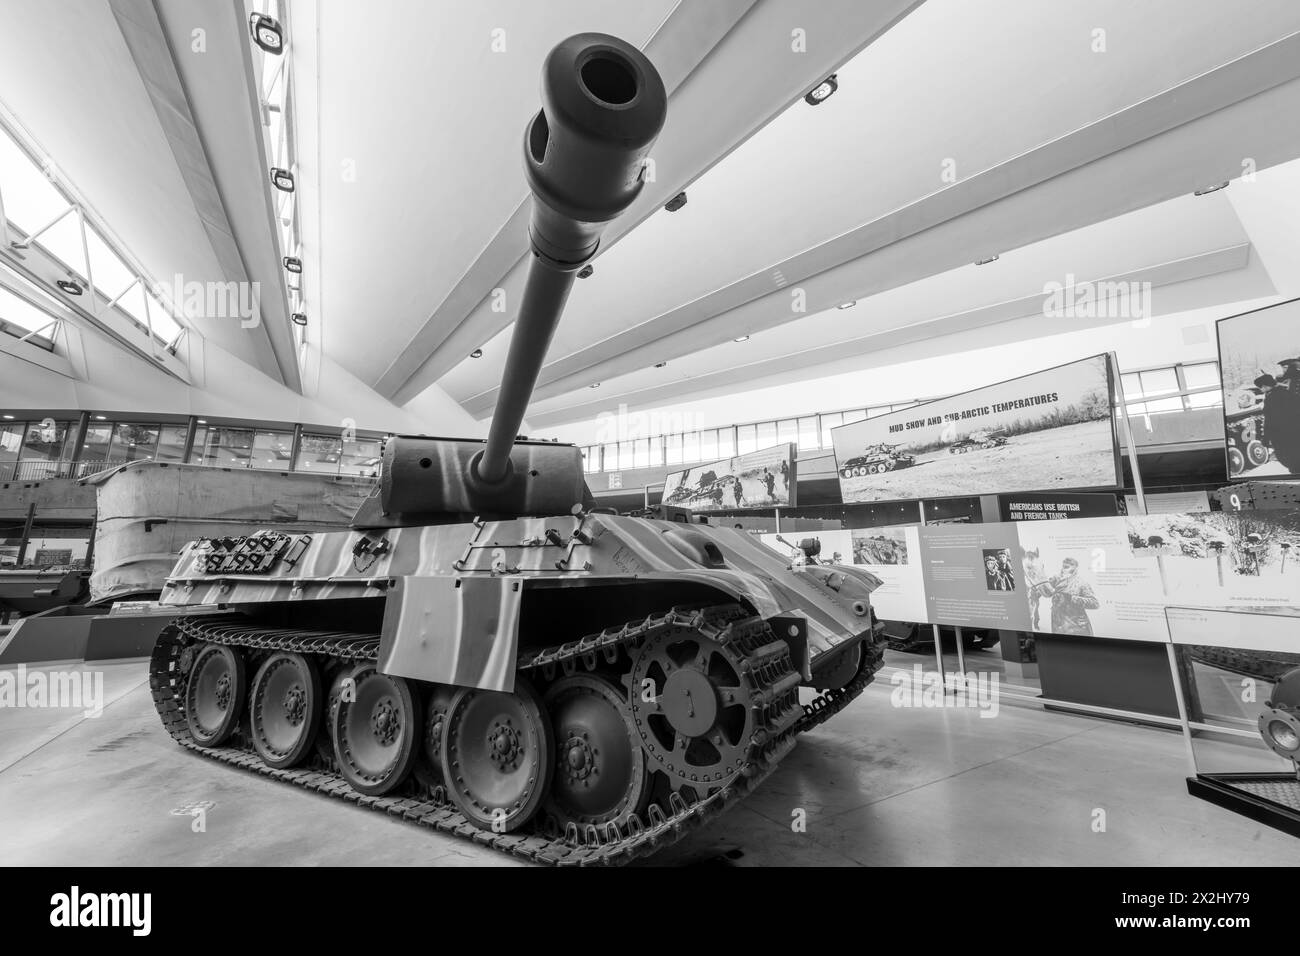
785 476
1007 571
769 480
1072 599
1259 365
1035 573
742 482
997 573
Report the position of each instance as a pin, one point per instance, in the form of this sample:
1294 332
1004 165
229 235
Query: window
320 454
691 447
855 415
787 430
641 453
11 439
746 439
609 456
165 327
726 443
31 200
24 317
112 276
833 420
94 449
656 452
133 442
1160 381
171 443
766 435
1132 386
272 451
709 445
362 457
808 433
224 447
45 445
672 449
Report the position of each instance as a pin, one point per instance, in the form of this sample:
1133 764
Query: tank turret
603 105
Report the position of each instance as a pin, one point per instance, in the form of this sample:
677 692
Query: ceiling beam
700 49
1203 97
765 371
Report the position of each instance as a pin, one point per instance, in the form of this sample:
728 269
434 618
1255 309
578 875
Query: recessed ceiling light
267 33
743 338
677 202
201 421
477 353
847 305
820 93
1211 189
586 271
69 287
594 385
298 318
282 179
984 262
660 364
9 418
100 418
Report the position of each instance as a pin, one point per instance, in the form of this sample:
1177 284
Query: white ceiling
1021 92
413 204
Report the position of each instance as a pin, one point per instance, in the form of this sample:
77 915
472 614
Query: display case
1237 673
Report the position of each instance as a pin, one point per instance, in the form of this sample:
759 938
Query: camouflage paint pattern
588 548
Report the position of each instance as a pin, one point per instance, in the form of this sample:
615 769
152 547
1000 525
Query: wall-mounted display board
759 479
1109 577
1051 430
1048 507
1259 364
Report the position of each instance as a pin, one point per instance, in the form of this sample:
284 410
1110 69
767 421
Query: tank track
1268 667
782 720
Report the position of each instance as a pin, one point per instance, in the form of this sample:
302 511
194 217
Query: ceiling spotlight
293 264
1211 189
9 418
586 271
477 353
984 262
822 91
266 33
282 179
298 318
660 364
100 418
200 421
594 385
847 305
743 338
677 202
68 286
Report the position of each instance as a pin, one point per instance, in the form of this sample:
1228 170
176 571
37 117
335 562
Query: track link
781 719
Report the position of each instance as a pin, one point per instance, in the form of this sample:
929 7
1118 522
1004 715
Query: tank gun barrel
603 105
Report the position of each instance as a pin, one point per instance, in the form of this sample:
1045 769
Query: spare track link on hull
587 846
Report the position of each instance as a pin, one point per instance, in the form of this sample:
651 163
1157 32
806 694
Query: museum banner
1052 429
759 479
1110 577
1259 365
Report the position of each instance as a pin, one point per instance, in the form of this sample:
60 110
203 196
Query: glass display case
1237 673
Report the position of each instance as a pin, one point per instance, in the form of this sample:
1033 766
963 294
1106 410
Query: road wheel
214 694
1256 453
1236 462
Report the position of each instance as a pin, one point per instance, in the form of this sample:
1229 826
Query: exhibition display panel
1238 675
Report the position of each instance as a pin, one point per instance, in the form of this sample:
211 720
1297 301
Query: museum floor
879 784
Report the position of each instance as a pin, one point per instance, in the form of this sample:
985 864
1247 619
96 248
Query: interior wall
223 386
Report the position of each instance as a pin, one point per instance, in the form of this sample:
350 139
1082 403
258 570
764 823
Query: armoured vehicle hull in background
484 654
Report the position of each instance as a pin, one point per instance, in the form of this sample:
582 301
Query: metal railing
34 469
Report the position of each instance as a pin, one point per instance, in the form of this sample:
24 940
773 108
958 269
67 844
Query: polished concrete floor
877 785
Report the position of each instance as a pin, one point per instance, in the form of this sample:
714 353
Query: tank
977 441
486 654
877 459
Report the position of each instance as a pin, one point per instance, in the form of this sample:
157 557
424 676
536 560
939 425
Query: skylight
30 199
